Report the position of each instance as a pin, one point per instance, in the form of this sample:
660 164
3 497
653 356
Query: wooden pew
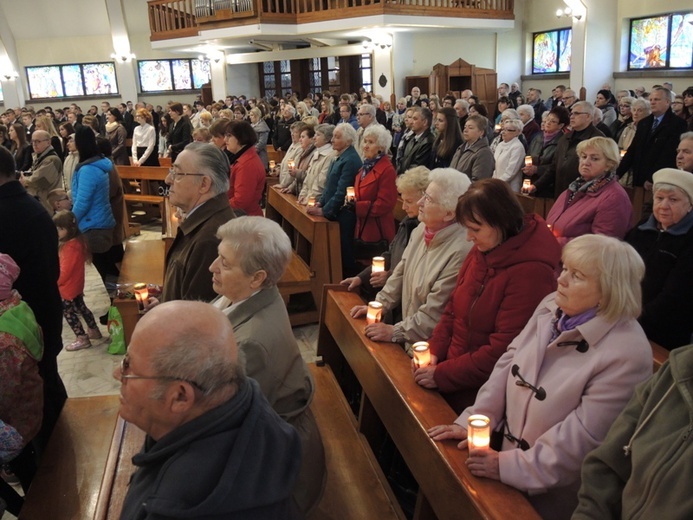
317 258
659 356
392 400
143 261
537 205
141 185
68 483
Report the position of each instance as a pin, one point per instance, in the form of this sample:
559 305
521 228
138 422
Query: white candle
350 194
526 185
422 355
497 128
478 431
623 153
311 202
141 295
375 310
378 265
291 165
528 160
272 165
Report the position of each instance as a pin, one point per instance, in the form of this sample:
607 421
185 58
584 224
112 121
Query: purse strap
377 221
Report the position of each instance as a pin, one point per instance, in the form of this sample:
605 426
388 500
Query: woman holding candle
510 155
594 202
253 254
542 149
509 269
292 155
556 391
247 170
319 166
422 281
297 167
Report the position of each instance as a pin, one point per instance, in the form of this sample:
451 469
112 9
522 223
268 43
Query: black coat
417 152
180 136
652 150
668 284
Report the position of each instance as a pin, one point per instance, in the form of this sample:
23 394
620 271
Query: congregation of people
541 324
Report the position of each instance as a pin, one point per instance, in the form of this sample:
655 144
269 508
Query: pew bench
356 487
393 404
141 186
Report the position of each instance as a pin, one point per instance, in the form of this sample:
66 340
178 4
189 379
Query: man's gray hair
586 106
526 109
686 135
383 138
347 131
368 109
212 162
463 103
452 186
290 108
668 94
261 244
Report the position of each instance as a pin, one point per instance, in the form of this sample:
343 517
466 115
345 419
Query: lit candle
311 202
141 295
478 431
422 355
375 310
526 185
291 165
528 160
623 153
497 128
351 195
272 165
378 265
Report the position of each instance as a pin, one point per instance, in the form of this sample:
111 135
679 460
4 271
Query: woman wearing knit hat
21 387
665 242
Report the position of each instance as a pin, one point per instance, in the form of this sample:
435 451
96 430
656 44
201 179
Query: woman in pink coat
595 202
563 381
247 170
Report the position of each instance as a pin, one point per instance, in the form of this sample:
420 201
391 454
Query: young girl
73 253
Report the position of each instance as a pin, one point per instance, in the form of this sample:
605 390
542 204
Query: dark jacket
542 157
281 138
652 150
417 152
476 161
238 460
438 161
180 136
23 158
495 295
193 251
564 167
668 284
340 176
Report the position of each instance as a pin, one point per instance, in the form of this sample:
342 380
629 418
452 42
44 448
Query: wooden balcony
181 18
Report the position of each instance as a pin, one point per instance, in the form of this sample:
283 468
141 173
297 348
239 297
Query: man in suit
655 141
418 150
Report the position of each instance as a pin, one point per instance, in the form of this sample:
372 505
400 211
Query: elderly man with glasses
183 384
46 169
365 116
564 167
198 182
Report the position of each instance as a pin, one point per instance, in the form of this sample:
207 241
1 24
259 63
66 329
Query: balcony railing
179 18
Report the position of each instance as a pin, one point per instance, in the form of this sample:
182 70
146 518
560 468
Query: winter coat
90 194
316 175
585 388
376 196
653 479
341 175
262 131
247 182
418 152
668 283
542 157
423 280
46 176
476 161
608 211
72 258
510 157
493 299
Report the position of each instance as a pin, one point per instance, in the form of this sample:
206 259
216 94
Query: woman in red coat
247 170
509 270
375 189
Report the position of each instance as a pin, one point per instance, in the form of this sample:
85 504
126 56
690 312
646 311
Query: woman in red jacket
375 189
509 270
247 170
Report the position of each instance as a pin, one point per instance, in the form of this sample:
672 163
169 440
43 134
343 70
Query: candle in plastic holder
350 194
375 311
291 165
526 185
528 160
378 265
623 153
311 202
497 128
141 295
478 431
272 165
422 355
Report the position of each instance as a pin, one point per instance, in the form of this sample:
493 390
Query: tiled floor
89 372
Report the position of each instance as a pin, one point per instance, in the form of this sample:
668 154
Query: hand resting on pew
443 432
424 376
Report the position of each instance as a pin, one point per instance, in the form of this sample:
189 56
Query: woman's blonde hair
618 269
607 147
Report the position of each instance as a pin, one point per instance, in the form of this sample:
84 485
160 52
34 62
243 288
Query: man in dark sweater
214 448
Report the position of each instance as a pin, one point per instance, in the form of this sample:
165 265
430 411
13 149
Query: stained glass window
552 51
74 80
661 42
2 98
366 66
166 75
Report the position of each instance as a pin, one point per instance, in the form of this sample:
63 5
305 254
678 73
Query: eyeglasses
37 141
125 366
359 114
553 121
575 113
173 174
428 199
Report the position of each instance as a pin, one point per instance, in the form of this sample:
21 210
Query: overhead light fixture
10 75
575 13
123 57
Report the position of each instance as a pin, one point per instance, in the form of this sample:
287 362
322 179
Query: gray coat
476 161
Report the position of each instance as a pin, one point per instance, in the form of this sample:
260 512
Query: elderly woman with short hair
594 202
253 254
474 157
625 116
422 281
640 109
665 242
319 166
563 381
375 189
262 132
247 170
542 149
510 155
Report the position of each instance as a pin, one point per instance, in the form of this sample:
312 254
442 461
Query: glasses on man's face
173 174
37 141
125 366
575 113
428 199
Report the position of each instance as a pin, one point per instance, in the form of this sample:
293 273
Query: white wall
243 78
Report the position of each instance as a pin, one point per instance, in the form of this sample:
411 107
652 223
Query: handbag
367 250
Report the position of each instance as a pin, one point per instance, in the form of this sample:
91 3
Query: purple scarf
562 322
